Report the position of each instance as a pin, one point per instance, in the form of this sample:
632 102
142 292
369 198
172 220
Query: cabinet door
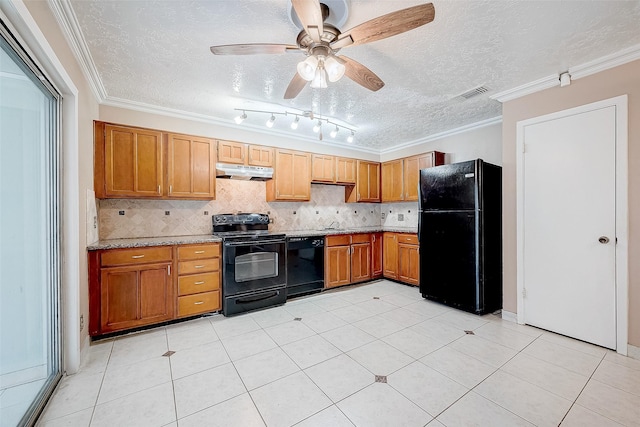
260 155
135 296
133 162
390 259
392 181
376 255
360 262
337 266
191 167
409 264
322 168
345 170
412 166
292 177
368 185
231 152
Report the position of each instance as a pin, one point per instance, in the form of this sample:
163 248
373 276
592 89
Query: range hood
231 171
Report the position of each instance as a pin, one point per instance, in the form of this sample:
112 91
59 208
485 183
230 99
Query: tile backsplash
399 214
131 218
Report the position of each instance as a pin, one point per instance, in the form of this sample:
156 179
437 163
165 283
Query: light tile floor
372 355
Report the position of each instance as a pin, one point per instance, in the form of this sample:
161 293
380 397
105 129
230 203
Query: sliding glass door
30 342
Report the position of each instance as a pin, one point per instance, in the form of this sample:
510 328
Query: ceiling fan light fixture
294 124
271 120
240 119
316 127
335 68
307 68
320 79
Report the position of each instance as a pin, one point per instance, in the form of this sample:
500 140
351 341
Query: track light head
240 119
334 132
294 124
317 126
271 121
350 138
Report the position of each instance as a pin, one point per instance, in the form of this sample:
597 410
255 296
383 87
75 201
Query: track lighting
271 121
294 124
317 120
350 138
240 119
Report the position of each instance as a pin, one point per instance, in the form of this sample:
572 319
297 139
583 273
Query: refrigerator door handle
419 213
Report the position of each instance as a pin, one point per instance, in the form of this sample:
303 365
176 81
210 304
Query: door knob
603 239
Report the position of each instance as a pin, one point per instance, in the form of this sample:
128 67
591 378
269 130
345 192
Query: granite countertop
208 238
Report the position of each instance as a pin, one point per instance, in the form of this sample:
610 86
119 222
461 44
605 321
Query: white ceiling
157 53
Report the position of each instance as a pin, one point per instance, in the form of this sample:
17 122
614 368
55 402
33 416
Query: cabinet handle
199 252
168 270
137 256
159 189
198 303
374 237
198 266
199 283
170 189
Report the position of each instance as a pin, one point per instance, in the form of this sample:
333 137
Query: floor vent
474 92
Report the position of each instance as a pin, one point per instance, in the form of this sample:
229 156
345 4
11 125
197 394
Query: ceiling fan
321 42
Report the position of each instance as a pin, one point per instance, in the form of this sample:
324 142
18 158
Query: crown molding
583 70
68 22
606 62
445 134
527 88
203 118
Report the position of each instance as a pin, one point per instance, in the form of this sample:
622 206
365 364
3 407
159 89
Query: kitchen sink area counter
351 230
142 242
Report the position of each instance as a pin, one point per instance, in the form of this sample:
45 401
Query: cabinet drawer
198 303
198 251
360 238
194 283
198 266
117 257
341 240
411 239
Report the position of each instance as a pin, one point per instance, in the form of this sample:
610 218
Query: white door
569 225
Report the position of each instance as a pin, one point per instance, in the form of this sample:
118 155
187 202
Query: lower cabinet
402 257
134 287
347 259
376 255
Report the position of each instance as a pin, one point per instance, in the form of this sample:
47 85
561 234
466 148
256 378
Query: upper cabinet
291 178
400 177
345 170
132 162
323 168
128 162
191 167
245 154
367 188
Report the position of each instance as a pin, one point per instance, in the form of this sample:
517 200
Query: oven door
251 266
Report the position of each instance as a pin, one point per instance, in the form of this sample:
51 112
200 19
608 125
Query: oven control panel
309 242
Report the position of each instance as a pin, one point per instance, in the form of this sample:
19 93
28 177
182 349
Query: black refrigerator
460 234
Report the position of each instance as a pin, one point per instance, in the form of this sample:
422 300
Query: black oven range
254 272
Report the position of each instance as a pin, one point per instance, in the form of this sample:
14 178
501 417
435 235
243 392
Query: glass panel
29 241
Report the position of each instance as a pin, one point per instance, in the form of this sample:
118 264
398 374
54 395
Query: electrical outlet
206 212
167 212
400 217
81 322
384 215
95 222
120 212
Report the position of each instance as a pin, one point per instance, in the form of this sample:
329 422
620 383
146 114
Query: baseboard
633 352
509 316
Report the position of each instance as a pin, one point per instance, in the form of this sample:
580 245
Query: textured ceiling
157 52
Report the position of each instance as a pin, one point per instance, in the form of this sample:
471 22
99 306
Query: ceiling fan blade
310 14
361 74
294 88
387 25
252 49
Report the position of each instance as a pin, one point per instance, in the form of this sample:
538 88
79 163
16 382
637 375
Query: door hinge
524 148
524 292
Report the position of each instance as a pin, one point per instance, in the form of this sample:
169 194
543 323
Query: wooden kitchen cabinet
360 257
367 188
392 181
127 162
191 167
408 259
345 171
129 288
402 257
376 255
390 258
198 279
323 168
347 259
412 166
337 266
260 155
231 152
291 178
